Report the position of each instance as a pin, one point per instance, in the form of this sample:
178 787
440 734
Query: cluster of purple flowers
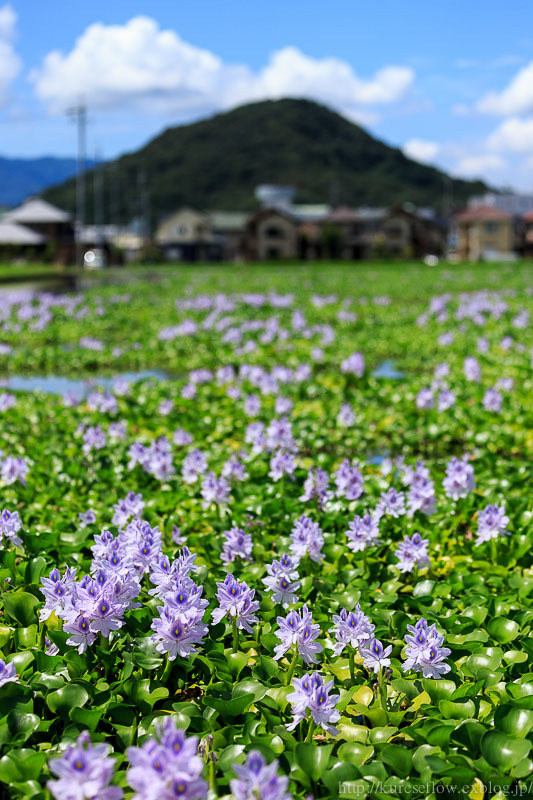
354 364
283 580
237 544
363 532
346 416
312 697
350 628
491 523
425 652
236 601
412 552
180 625
459 479
282 463
492 400
258 780
194 465
316 487
297 628
155 458
349 480
84 770
421 492
167 765
215 490
13 468
131 506
391 504
94 438
10 525
307 539
7 401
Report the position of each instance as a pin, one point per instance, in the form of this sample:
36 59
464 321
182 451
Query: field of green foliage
267 534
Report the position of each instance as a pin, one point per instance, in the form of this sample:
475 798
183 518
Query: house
527 235
187 235
228 229
17 240
484 233
270 234
52 224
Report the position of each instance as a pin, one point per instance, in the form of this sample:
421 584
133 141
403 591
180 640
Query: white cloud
421 150
476 166
139 65
9 61
513 135
516 98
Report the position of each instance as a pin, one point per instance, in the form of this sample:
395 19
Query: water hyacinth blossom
424 651
236 601
167 765
257 780
374 655
459 479
350 628
491 523
312 698
298 629
307 539
10 525
8 673
84 770
237 544
363 532
412 552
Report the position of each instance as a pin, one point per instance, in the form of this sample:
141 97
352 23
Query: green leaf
503 630
398 758
502 751
513 721
70 696
462 708
20 606
229 708
313 758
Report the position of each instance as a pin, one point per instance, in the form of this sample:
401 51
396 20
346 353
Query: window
274 232
491 227
181 230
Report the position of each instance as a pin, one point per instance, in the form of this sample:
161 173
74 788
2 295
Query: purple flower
363 532
459 480
307 539
445 400
8 673
297 628
281 463
354 364
424 651
279 435
350 628
412 552
316 487
82 636
237 544
84 770
472 369
492 400
182 438
7 401
87 518
194 464
94 438
177 631
14 468
374 656
214 490
349 480
252 405
312 695
257 780
391 504
236 600
282 581
492 522
346 416
167 765
10 525
424 399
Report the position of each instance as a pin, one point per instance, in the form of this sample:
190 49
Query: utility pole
79 113
98 191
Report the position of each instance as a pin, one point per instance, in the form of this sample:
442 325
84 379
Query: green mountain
218 162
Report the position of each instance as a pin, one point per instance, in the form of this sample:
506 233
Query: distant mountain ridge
218 162
22 177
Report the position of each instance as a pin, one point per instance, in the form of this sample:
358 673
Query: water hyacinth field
292 558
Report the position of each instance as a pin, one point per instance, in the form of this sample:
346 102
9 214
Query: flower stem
493 551
167 670
235 634
382 688
310 730
292 667
352 666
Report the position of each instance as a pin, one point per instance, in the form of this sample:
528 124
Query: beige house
271 234
186 235
483 233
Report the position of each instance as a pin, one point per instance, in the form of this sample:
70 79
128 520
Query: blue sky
451 84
